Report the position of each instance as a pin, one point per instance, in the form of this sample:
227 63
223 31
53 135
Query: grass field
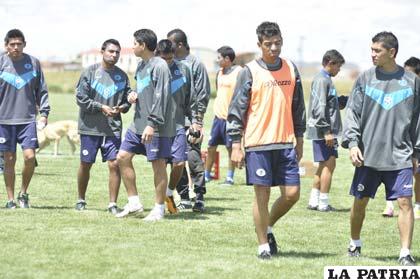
52 240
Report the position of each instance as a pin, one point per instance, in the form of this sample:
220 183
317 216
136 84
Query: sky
61 29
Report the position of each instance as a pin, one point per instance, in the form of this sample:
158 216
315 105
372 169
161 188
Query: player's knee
292 197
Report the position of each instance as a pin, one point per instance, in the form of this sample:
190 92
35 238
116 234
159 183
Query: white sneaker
130 210
154 215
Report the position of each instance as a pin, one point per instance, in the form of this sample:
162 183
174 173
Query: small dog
57 130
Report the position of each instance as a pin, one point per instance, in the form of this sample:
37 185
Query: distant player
153 128
182 88
268 111
225 84
384 96
23 90
101 95
323 128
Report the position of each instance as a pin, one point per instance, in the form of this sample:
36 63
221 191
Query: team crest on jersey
403 82
260 172
98 75
2 140
117 77
360 187
27 66
177 72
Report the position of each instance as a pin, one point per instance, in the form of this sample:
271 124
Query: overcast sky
63 28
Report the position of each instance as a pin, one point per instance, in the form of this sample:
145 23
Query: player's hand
299 148
196 127
356 156
238 155
107 110
329 140
117 110
42 122
132 97
147 135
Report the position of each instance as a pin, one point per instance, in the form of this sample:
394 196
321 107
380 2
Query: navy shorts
272 168
398 183
179 147
322 152
89 146
159 148
218 135
24 134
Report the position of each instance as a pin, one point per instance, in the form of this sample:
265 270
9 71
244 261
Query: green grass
52 240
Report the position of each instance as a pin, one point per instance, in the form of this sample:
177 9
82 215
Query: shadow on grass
393 258
210 210
220 199
47 174
52 207
306 255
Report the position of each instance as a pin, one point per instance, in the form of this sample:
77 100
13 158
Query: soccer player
384 96
323 128
268 110
225 84
153 127
200 100
181 88
411 65
22 89
101 95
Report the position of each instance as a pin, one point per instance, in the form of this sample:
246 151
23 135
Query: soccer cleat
417 213
354 251
23 199
312 207
229 181
11 204
170 203
328 208
184 205
407 261
154 215
272 243
265 255
80 205
388 212
207 179
114 210
1 170
198 206
130 210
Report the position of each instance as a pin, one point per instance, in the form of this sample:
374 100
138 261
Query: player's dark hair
268 29
179 37
227 51
14 34
164 46
110 42
413 62
332 56
387 39
146 36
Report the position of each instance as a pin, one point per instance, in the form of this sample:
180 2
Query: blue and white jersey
182 89
201 96
96 87
155 106
324 112
382 118
22 90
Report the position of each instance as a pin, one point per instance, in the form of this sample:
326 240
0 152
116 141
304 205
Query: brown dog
57 130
